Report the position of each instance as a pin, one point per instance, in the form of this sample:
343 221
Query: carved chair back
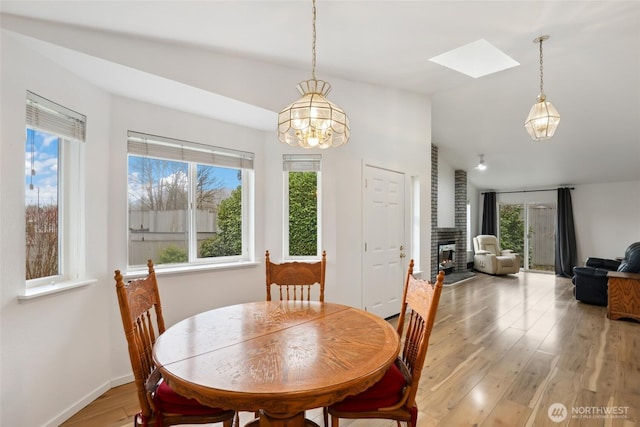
137 300
295 279
394 396
418 312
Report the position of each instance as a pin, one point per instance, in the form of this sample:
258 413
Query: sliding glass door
529 229
541 221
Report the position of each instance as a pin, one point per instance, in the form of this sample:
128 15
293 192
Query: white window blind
46 115
301 162
146 145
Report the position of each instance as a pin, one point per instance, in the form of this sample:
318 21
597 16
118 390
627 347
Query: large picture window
302 219
188 203
54 192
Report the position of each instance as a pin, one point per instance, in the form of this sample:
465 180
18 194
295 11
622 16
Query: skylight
476 59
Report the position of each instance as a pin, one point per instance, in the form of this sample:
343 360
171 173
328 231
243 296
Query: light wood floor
502 352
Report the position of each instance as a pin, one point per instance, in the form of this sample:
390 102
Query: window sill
193 268
54 288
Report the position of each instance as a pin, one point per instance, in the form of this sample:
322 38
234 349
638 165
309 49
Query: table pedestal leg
282 420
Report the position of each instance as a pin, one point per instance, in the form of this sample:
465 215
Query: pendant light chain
313 44
541 81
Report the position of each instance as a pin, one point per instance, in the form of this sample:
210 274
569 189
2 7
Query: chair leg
335 421
325 416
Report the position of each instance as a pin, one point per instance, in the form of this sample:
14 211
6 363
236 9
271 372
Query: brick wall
458 233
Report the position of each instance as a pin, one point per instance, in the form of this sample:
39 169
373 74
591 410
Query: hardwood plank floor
502 352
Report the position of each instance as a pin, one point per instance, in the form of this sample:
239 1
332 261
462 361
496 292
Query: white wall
606 218
446 194
63 350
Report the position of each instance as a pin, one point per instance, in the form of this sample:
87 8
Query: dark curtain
489 216
565 235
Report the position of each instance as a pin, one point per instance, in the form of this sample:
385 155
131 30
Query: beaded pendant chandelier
313 121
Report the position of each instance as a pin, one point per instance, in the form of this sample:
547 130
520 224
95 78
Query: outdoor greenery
173 254
228 241
160 185
512 228
303 213
303 221
170 193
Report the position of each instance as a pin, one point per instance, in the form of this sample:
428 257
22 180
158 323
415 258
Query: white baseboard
86 400
125 379
76 407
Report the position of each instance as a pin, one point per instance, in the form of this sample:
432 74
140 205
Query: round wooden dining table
276 357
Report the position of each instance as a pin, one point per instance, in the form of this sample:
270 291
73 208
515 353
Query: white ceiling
591 69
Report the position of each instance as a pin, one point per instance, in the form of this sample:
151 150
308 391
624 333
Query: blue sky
45 163
226 178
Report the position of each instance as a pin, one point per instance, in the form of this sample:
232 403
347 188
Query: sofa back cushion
631 261
607 264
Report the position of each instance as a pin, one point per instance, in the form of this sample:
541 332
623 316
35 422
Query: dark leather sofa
591 280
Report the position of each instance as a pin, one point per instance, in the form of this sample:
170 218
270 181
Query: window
54 192
188 203
302 210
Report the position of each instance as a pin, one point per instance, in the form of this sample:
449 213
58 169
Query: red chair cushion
385 392
170 402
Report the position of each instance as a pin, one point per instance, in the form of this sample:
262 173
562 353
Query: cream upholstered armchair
490 259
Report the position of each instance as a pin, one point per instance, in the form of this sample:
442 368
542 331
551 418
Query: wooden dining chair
159 404
295 279
393 397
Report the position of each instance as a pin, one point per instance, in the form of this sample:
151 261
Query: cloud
47 140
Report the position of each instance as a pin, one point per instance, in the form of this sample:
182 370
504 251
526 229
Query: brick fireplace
456 234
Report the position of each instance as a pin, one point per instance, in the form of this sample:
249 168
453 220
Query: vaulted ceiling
591 68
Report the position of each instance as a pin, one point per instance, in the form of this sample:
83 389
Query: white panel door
384 232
